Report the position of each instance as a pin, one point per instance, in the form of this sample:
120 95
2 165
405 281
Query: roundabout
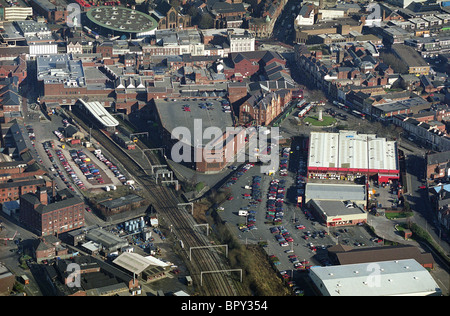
314 120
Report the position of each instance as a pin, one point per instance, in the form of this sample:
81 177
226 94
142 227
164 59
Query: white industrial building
348 155
385 278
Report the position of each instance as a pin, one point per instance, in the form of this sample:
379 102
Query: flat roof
173 115
121 19
100 113
395 277
337 208
401 104
353 151
337 192
385 253
106 239
60 68
409 55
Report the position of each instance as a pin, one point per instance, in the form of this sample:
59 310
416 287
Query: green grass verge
327 120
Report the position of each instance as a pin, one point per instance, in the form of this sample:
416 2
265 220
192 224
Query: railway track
180 222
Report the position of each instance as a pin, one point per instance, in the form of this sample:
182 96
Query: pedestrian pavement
385 228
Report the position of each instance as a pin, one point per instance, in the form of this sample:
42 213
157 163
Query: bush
200 186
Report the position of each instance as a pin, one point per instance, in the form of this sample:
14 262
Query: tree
206 22
199 186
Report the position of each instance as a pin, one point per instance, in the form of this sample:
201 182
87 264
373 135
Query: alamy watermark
74 277
74 17
235 144
374 277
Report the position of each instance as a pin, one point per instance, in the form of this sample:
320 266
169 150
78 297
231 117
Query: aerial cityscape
225 148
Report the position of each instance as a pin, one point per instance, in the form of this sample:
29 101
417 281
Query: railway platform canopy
99 113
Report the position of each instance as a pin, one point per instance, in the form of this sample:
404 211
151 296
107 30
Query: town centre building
348 155
337 213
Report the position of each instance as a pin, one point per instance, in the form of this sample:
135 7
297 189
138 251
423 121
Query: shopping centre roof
121 19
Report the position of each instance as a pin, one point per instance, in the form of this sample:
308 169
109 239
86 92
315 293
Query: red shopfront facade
383 175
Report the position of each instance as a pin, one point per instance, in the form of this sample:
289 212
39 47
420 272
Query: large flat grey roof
173 115
60 68
335 208
337 192
395 277
409 55
106 239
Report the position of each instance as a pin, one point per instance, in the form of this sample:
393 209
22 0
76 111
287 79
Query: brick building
51 214
7 280
14 68
17 178
206 155
51 12
49 247
10 105
169 17
262 108
438 165
13 190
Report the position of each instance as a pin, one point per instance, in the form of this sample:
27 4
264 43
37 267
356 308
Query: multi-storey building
241 42
51 12
262 108
51 214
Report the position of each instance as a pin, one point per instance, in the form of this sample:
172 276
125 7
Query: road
424 216
415 160
11 252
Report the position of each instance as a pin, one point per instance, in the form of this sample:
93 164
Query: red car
230 198
423 187
88 209
246 194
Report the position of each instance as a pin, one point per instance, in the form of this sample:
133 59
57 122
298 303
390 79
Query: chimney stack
42 194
